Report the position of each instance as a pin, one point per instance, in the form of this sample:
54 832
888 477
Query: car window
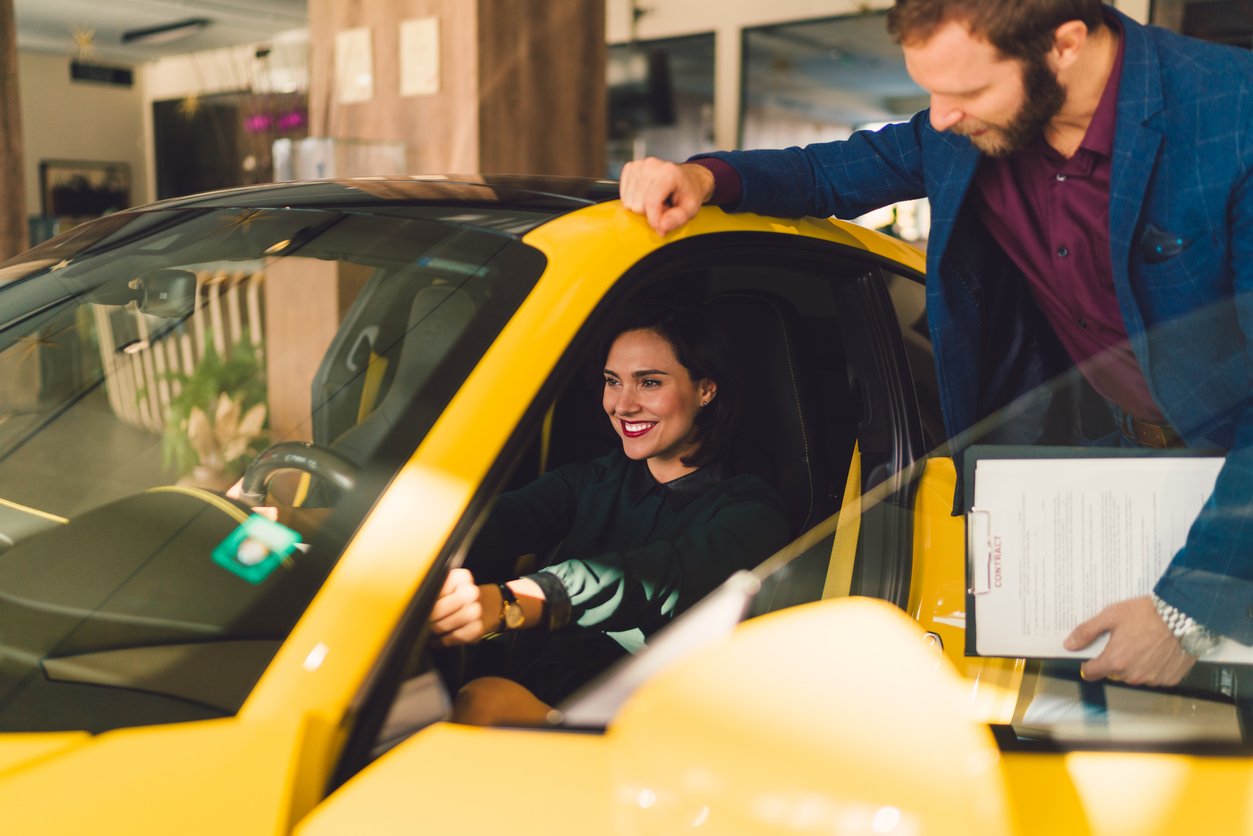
909 299
145 363
814 330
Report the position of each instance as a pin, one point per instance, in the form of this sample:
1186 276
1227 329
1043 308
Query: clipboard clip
979 551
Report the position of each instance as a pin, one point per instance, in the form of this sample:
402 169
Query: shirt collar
1100 134
677 492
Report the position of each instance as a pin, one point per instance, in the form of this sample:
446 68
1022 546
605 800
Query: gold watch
511 615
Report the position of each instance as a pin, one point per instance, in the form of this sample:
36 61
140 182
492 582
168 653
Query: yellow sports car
376 359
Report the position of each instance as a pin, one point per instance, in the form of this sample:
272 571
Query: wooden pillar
305 302
520 83
12 183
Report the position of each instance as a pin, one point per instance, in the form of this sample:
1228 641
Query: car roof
544 195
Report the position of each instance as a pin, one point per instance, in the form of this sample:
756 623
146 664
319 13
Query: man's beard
1043 97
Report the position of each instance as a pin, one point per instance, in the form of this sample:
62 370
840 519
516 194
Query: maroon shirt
1051 216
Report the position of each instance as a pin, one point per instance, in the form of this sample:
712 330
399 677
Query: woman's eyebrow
640 373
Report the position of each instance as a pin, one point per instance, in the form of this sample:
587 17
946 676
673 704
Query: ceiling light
166 32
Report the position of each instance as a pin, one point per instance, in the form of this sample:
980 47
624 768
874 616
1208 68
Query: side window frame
889 529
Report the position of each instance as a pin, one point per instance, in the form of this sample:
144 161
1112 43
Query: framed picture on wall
76 190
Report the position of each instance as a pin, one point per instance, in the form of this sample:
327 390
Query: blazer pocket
1158 245
1167 259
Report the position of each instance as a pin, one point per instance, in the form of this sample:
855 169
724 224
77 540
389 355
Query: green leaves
218 416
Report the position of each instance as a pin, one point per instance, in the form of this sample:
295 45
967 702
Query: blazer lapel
952 306
960 159
1136 147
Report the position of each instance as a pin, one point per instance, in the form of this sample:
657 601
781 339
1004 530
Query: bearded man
1091 188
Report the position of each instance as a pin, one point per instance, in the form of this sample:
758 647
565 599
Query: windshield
146 360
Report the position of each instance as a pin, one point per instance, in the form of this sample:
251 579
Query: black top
629 553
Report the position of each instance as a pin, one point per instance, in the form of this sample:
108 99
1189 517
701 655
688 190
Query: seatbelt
370 387
546 438
374 371
302 490
847 528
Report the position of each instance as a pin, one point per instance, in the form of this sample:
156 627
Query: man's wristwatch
1195 639
511 615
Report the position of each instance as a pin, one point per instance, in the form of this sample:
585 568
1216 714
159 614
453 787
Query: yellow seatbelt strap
370 386
847 527
302 490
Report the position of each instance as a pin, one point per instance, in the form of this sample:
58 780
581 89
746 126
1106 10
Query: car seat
783 421
803 426
390 343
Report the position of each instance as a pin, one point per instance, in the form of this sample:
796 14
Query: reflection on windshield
1056 705
147 362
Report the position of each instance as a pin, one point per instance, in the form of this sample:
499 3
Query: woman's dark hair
701 347
1020 29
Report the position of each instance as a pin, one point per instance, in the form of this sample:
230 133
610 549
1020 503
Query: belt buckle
1153 435
1147 433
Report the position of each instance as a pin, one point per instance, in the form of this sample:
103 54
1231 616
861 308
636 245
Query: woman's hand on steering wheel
236 491
320 462
304 520
465 611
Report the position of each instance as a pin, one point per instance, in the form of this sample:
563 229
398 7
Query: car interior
816 339
808 383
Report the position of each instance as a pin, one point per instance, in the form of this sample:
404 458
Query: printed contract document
1052 541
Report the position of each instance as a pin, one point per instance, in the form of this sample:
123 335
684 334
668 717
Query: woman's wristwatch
1194 638
511 615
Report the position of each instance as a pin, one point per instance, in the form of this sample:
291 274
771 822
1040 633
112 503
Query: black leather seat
412 332
785 427
802 422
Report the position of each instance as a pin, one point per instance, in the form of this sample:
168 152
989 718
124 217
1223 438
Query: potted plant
216 421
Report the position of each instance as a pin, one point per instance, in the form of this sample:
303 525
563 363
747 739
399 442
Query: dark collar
677 492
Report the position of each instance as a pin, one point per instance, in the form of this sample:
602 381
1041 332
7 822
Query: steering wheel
322 462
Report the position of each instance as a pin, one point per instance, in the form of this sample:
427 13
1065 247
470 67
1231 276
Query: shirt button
1083 323
1061 178
1062 252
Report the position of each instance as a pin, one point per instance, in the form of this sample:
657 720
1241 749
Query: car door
850 338
581 773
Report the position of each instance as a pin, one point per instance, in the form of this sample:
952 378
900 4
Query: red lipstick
635 429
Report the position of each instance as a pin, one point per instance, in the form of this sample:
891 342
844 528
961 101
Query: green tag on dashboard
255 549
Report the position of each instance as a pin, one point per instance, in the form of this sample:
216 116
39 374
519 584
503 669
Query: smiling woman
632 538
653 403
669 366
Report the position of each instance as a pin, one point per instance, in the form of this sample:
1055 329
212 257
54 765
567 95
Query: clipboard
981 557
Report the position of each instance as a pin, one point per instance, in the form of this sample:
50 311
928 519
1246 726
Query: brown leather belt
1148 434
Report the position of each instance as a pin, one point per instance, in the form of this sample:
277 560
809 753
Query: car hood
19 750
831 717
212 776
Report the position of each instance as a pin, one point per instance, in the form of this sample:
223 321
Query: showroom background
107 117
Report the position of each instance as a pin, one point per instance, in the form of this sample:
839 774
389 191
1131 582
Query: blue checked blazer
1181 240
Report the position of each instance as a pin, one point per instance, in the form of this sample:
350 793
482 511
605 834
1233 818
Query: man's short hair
1018 28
